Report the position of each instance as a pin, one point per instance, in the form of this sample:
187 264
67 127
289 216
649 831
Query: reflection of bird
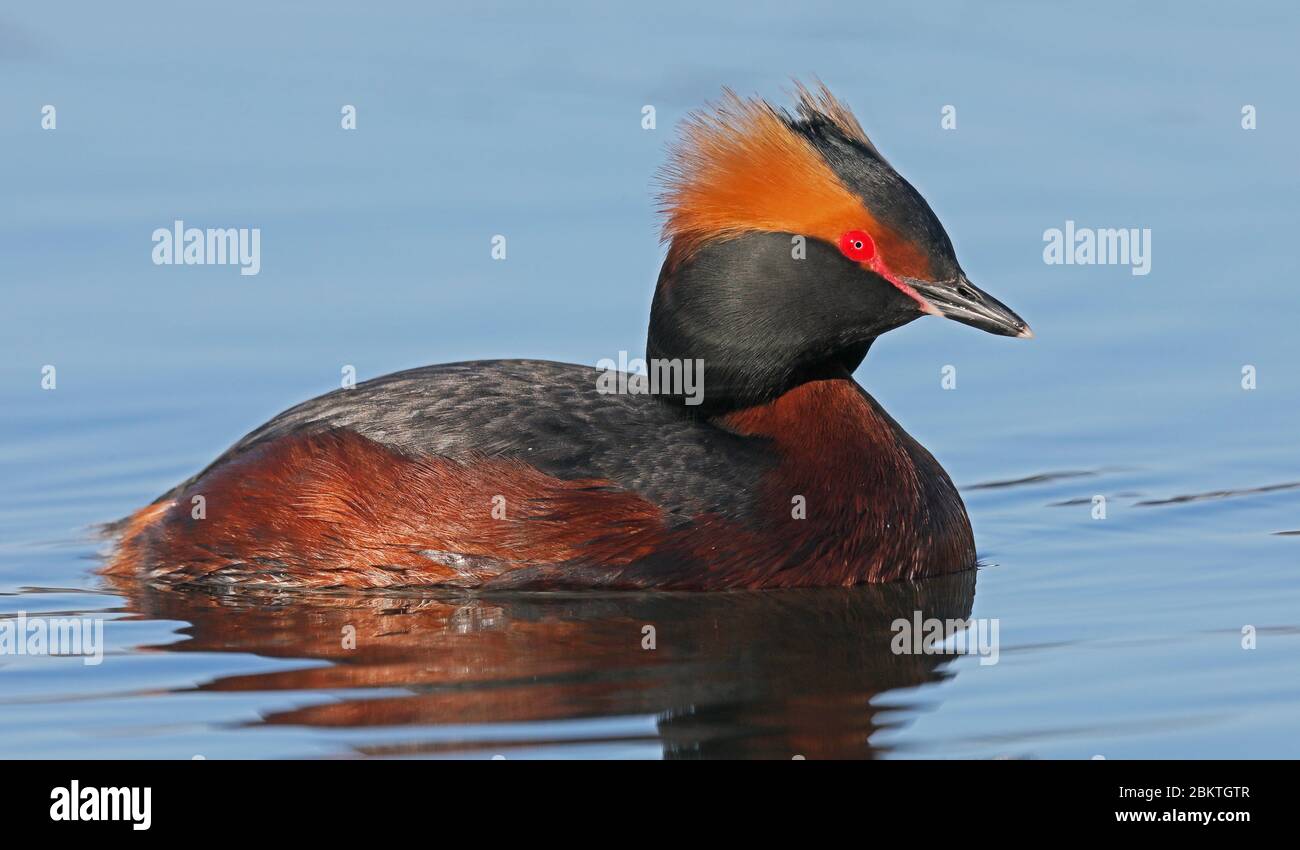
793 245
729 674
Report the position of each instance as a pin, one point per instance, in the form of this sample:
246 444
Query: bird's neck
740 368
758 323
736 380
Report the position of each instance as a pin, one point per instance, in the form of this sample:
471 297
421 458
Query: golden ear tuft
740 167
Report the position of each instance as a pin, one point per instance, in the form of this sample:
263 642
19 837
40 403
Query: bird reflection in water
752 674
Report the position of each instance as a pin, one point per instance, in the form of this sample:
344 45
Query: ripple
1040 478
1221 494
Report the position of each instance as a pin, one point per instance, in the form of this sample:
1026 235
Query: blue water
1120 637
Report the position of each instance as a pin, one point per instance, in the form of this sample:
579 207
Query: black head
794 244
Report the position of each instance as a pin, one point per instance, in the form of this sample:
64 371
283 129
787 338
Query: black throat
762 317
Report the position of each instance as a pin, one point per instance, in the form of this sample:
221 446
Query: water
1119 637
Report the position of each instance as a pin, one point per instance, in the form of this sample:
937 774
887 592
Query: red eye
857 246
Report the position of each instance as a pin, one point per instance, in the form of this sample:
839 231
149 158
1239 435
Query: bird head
793 244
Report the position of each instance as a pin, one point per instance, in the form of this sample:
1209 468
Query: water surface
1119 636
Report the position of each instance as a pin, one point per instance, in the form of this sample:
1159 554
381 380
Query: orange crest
741 168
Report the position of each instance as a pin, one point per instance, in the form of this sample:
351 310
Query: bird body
792 246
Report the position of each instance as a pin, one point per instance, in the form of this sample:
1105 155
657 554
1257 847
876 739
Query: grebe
793 245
